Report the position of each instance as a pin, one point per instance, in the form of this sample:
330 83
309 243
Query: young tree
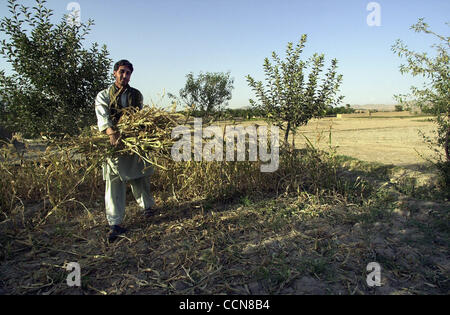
434 97
288 99
55 80
208 93
399 108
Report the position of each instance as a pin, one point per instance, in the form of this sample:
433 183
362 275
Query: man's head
122 72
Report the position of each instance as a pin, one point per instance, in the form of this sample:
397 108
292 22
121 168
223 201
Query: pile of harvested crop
146 132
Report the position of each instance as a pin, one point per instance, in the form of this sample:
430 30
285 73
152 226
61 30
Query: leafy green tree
399 108
55 80
339 110
434 97
208 93
288 99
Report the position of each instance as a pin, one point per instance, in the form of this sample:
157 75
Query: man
118 171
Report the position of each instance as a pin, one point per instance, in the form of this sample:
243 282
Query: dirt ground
288 245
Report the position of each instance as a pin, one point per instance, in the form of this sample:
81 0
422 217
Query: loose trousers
115 197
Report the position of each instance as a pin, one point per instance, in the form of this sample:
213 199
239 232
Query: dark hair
123 62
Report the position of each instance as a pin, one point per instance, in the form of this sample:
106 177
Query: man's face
122 75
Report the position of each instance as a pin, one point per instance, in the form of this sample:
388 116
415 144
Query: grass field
310 228
381 138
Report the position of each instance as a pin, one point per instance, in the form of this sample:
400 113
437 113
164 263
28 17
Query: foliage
399 108
339 110
434 97
243 113
55 79
247 113
257 113
208 93
287 98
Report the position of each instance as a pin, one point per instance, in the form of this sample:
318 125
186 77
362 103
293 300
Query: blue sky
168 39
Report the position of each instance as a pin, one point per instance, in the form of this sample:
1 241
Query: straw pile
146 132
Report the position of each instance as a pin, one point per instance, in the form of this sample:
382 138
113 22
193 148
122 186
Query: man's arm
103 117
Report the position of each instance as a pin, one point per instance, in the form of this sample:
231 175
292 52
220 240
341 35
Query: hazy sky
167 39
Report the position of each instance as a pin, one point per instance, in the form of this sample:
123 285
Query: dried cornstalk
146 132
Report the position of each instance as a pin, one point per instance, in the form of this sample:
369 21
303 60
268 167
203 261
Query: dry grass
309 228
146 133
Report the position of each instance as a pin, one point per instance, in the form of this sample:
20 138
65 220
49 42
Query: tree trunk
293 139
288 129
447 144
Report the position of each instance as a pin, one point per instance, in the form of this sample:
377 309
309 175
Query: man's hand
114 136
